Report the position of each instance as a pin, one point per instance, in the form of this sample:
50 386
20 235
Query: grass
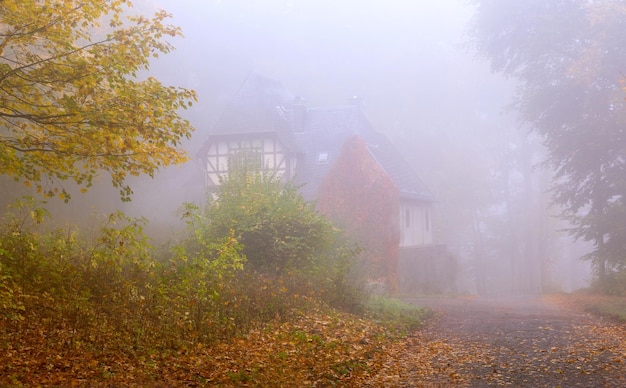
396 314
612 307
608 306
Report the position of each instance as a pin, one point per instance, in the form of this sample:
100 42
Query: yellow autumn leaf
72 105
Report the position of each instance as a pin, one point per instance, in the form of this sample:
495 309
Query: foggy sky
407 60
404 58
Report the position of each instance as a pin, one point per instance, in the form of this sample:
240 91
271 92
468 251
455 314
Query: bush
199 276
105 288
341 278
279 231
282 235
614 283
71 283
396 314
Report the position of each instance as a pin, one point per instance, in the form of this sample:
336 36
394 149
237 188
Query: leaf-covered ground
469 342
522 342
319 348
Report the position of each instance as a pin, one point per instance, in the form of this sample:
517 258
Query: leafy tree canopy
568 58
71 101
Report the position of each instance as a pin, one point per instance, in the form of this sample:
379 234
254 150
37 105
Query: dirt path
520 342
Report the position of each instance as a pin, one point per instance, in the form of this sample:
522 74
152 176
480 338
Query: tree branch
61 152
40 119
62 55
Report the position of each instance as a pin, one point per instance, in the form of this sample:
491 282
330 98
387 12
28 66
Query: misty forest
312 193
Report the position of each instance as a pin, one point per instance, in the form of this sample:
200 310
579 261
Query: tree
568 57
72 103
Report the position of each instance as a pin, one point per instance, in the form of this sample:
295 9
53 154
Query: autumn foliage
108 305
105 307
360 197
74 102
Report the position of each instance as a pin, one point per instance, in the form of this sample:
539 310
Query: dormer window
322 158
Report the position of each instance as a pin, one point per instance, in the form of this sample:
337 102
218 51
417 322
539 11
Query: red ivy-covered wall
359 196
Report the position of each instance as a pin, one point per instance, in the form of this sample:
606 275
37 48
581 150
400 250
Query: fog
421 85
424 88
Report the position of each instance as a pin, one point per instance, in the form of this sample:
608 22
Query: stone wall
427 269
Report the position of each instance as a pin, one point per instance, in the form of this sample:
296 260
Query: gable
261 149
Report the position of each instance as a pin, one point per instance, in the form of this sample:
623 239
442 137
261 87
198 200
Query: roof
254 107
317 136
398 169
259 106
325 132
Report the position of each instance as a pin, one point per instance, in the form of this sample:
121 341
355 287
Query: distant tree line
568 59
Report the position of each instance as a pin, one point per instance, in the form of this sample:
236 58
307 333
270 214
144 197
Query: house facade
262 149
335 156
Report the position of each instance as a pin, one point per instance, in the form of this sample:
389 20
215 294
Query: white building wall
415 225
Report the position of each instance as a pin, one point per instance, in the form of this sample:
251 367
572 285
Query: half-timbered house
267 124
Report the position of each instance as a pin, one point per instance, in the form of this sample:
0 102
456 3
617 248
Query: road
519 342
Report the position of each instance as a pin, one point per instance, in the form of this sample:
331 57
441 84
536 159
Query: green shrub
614 283
72 283
104 288
201 271
279 230
283 239
19 242
340 278
11 304
395 313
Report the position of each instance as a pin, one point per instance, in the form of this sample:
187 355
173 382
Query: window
245 157
407 218
322 158
427 220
